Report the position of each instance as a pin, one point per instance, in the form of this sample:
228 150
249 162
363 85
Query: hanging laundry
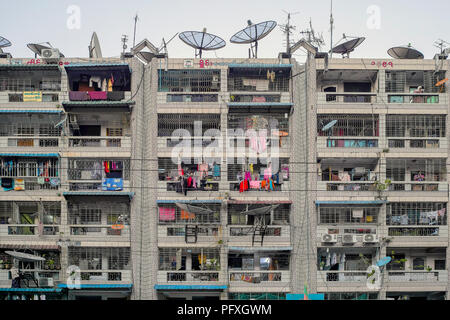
166 214
104 85
441 212
95 80
187 215
112 184
41 180
7 184
255 184
19 185
216 170
54 182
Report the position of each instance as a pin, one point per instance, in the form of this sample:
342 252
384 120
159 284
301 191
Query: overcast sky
385 23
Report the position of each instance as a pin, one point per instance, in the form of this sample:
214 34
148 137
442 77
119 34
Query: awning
99 286
98 66
259 66
29 246
31 290
24 66
259 202
31 111
94 106
260 211
351 202
255 107
194 209
24 256
188 201
31 155
253 249
188 287
102 193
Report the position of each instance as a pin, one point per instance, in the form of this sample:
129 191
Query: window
114 132
418 264
439 264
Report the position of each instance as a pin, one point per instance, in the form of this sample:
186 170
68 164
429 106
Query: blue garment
216 171
111 184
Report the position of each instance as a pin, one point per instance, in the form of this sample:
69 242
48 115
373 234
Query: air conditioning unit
50 54
215 79
45 282
348 238
370 238
329 238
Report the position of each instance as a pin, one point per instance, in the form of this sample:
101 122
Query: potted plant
51 264
429 268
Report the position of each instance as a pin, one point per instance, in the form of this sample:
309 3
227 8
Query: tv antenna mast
331 30
313 38
287 30
136 18
441 45
124 42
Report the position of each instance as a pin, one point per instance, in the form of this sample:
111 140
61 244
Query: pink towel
166 214
97 95
255 184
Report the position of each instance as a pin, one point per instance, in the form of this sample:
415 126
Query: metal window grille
175 258
431 169
114 132
192 98
255 98
168 123
189 80
28 167
355 125
236 171
348 215
401 81
411 212
416 125
92 169
248 121
100 258
258 80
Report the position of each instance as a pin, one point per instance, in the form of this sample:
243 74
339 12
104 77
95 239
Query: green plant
429 268
51 263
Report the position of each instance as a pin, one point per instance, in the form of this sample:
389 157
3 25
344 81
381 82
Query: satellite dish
329 125
94 47
405 52
252 34
201 41
4 43
24 256
383 261
348 46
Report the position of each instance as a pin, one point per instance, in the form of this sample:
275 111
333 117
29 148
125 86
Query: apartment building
223 178
382 177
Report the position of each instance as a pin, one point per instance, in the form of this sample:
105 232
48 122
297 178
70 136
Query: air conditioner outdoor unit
348 238
46 282
50 54
370 238
215 79
329 238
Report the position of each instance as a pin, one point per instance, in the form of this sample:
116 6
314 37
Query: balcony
351 98
259 280
423 186
105 276
273 235
5 277
416 280
27 230
191 277
417 145
178 234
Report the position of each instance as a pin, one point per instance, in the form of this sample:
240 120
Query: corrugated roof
351 202
99 102
29 246
188 201
259 65
100 193
260 201
39 66
31 111
95 65
253 249
48 155
188 287
99 286
260 104
43 290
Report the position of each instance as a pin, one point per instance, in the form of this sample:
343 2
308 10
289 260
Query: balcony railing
192 276
417 276
258 277
248 231
99 142
414 98
342 276
413 231
347 97
102 276
28 230
417 186
32 142
352 143
413 143
350 186
97 230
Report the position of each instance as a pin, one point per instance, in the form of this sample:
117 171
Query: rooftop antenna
441 45
134 34
331 30
252 34
312 38
166 51
201 40
287 29
124 43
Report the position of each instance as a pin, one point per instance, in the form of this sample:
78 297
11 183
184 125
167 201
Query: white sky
401 22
